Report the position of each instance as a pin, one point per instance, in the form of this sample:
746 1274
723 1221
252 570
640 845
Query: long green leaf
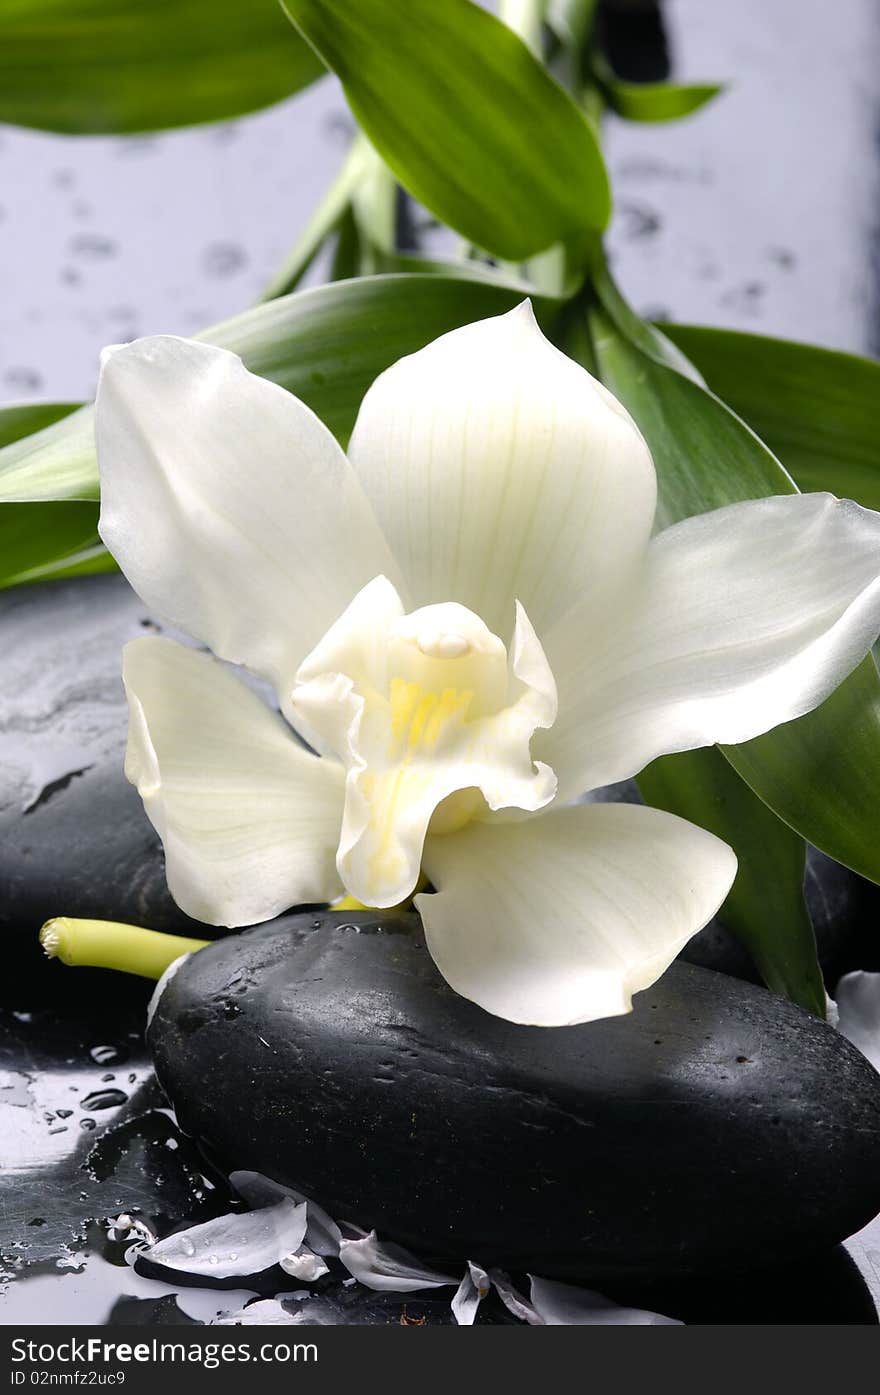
94 66
658 101
766 908
818 409
821 774
40 539
326 345
466 117
21 418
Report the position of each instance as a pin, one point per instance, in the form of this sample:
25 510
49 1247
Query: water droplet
87 1123
104 1099
64 1113
188 1247
212 1259
223 259
109 1076
103 1055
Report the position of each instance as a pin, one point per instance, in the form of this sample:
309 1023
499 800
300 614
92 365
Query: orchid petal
304 1265
265 1312
233 1245
561 918
513 1299
469 1295
388 1268
858 1012
249 819
499 468
322 1233
564 1305
745 617
227 503
432 720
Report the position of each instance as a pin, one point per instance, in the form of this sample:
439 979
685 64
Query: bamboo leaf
466 117
818 409
102 66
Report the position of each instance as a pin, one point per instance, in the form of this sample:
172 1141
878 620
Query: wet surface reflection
80 1147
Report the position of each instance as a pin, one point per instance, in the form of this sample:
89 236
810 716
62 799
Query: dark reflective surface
64 1180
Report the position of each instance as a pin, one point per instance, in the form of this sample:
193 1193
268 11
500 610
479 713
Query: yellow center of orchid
432 719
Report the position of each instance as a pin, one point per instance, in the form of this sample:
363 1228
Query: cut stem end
107 944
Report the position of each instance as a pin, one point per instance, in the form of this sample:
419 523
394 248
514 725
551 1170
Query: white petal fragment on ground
628 887
228 505
249 819
266 1312
161 984
499 468
305 1265
470 1293
388 1268
234 1245
858 1008
322 1233
513 1299
745 617
564 1305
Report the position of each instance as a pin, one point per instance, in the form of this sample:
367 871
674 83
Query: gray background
757 213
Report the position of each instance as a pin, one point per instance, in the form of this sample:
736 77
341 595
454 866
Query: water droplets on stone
104 1099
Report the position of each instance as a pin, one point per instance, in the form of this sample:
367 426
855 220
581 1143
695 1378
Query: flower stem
349 903
105 944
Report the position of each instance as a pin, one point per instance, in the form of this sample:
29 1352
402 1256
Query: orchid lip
432 719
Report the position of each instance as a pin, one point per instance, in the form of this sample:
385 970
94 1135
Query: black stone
717 1127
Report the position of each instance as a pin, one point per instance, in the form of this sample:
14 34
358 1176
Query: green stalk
106 944
374 206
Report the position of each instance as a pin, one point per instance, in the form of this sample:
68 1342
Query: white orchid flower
468 620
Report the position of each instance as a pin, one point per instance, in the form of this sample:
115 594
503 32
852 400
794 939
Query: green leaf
20 419
47 536
95 66
766 908
705 455
818 409
469 121
821 774
326 345
657 101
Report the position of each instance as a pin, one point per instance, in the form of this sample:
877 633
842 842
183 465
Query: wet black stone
717 1127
